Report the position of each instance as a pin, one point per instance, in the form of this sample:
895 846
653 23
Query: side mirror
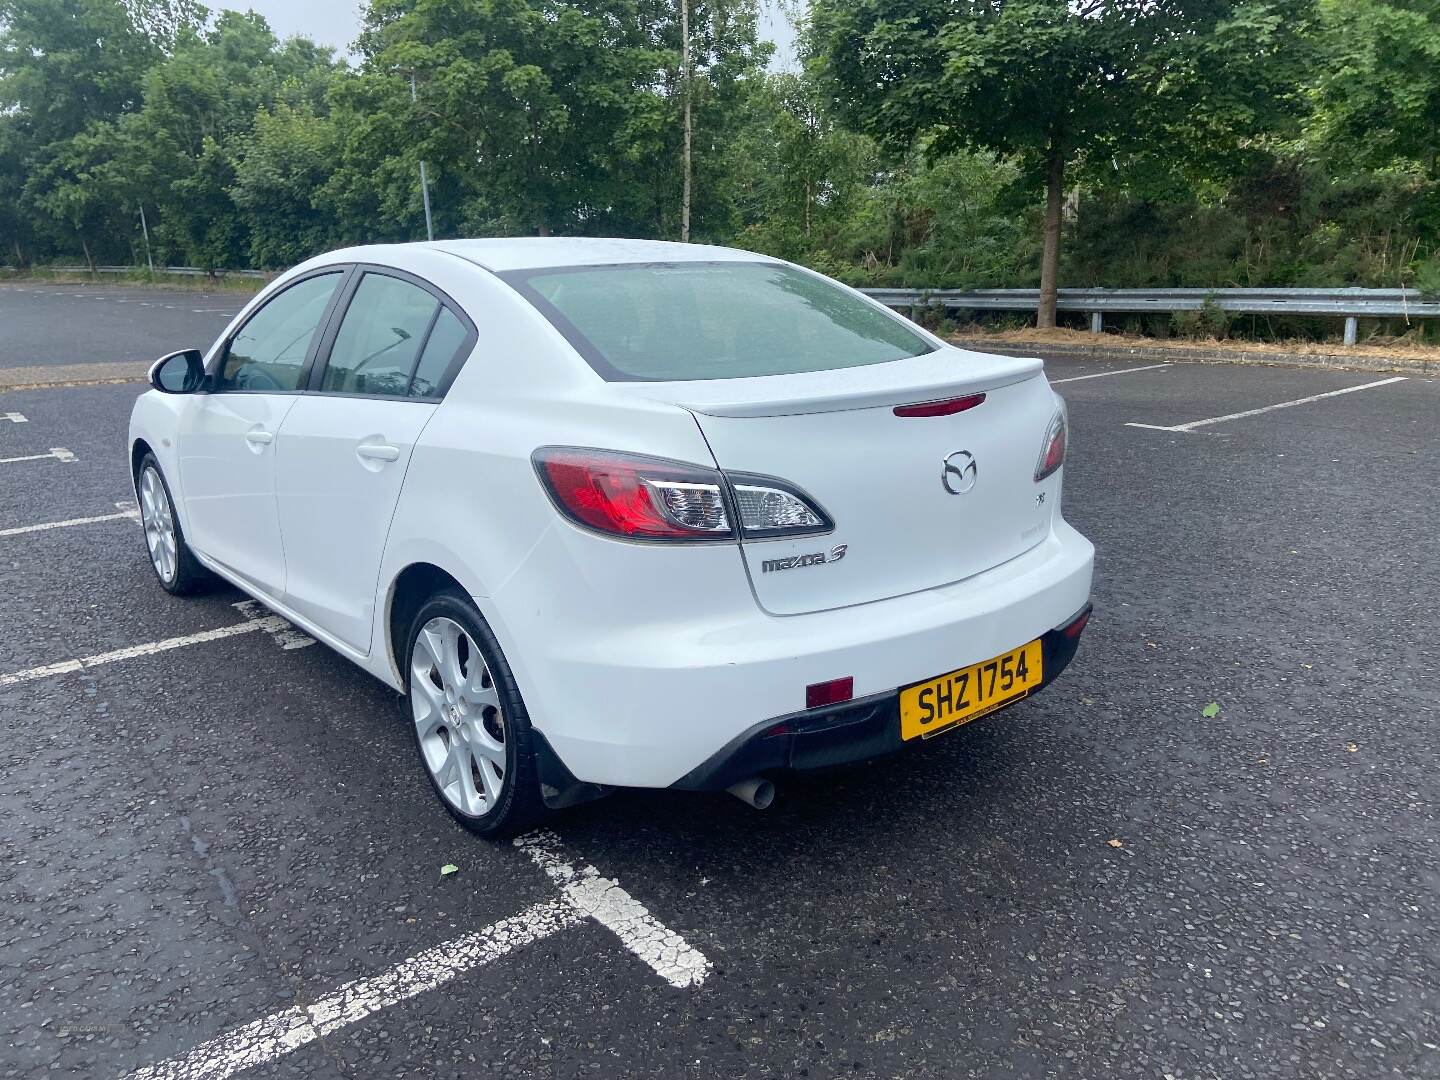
179 373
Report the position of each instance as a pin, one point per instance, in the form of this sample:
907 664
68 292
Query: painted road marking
134 651
14 417
278 1034
127 512
667 953
59 453
1193 424
280 631
584 894
287 637
1107 374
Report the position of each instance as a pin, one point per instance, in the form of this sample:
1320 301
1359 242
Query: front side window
268 353
721 320
386 326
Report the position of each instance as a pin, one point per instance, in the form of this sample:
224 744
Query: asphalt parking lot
53 324
219 853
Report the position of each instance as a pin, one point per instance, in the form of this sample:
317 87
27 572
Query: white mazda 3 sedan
621 513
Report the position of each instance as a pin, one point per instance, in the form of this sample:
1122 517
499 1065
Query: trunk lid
879 476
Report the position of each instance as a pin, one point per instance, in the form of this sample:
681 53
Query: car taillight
1052 451
769 508
633 496
645 498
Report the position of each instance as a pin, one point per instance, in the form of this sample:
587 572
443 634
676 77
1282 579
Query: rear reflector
947 407
1072 630
820 694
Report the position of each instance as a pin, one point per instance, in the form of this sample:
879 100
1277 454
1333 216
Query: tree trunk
685 75
89 259
1050 259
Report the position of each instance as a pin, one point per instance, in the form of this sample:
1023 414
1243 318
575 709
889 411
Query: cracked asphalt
1099 881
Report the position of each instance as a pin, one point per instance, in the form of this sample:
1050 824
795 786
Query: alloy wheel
458 718
159 523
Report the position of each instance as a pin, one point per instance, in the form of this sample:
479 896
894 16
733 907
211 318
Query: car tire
175 566
472 732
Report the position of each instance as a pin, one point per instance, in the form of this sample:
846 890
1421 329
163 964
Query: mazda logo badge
959 472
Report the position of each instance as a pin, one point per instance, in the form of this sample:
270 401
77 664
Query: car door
344 447
225 440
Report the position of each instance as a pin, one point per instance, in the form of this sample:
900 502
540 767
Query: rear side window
268 353
446 338
380 338
725 320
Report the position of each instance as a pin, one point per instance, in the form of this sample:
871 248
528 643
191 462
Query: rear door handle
259 437
378 452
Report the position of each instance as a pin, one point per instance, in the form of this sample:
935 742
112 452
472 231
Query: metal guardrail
177 271
1348 304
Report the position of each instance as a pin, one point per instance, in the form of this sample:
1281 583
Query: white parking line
64 667
280 1033
279 629
1193 424
286 636
59 453
1107 374
584 894
14 417
667 953
127 511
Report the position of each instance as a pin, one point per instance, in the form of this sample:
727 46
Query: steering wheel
254 377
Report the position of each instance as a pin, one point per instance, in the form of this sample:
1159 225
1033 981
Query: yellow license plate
931 707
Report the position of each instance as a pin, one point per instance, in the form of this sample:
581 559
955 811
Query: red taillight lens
636 497
820 694
948 407
1052 453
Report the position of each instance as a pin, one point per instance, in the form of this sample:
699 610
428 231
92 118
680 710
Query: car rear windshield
658 322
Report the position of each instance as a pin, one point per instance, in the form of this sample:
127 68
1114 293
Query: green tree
72 181
67 63
1055 83
16 234
536 115
1378 92
201 105
803 179
211 230
284 165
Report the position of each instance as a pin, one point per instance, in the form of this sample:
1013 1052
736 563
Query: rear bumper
854 731
648 686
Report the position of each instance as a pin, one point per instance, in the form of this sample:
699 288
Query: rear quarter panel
472 503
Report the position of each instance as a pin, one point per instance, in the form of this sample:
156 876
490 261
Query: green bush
1210 321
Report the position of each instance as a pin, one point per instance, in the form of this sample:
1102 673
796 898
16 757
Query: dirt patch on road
1389 349
41 378
1403 356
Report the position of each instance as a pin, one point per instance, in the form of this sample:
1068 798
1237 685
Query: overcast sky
337 22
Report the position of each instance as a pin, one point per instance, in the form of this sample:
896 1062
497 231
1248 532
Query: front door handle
259 437
378 452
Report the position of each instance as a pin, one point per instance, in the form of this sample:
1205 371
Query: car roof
537 252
